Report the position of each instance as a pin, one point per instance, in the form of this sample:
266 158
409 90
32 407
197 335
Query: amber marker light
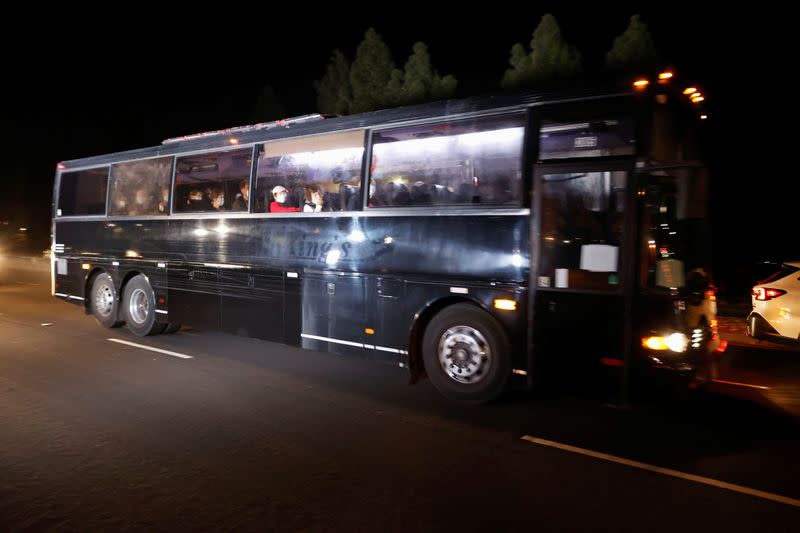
233 140
505 305
369 331
86 266
641 83
690 90
697 99
665 75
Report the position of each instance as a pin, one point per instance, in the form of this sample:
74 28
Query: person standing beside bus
279 205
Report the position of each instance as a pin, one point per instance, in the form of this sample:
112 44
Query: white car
776 305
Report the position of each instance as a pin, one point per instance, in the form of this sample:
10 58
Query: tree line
372 80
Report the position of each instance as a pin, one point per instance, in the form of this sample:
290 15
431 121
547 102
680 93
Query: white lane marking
667 471
740 384
162 311
337 341
75 298
459 290
159 350
520 372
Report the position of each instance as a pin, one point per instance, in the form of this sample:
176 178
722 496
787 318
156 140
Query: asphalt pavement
241 434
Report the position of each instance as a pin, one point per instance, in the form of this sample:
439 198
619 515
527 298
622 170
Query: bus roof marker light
233 140
697 99
641 83
690 90
61 166
703 117
665 75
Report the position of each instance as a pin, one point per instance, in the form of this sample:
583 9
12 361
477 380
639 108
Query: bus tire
171 328
103 301
139 307
466 354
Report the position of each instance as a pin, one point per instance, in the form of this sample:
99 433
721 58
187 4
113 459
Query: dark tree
634 49
334 96
370 73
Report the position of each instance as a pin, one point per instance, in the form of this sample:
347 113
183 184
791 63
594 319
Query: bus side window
476 161
315 174
209 182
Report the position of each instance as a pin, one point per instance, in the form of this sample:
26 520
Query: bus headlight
676 342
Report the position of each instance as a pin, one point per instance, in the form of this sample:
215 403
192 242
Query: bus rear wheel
466 354
103 301
139 305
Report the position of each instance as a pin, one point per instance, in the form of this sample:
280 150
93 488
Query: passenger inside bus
240 203
280 203
315 200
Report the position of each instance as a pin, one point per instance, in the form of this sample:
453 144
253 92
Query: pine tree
370 73
334 95
550 58
421 82
634 49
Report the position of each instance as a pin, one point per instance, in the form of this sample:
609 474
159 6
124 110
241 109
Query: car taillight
762 294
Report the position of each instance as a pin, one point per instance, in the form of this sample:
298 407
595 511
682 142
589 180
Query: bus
477 242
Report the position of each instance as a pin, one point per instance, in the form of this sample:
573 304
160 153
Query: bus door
581 218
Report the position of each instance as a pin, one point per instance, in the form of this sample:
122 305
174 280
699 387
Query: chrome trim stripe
291 274
336 341
370 212
75 297
520 372
62 295
220 265
459 290
160 311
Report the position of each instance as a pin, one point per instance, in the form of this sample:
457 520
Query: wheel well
421 320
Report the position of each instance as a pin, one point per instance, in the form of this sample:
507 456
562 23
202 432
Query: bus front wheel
103 301
466 354
139 305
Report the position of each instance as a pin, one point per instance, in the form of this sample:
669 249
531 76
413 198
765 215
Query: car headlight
676 342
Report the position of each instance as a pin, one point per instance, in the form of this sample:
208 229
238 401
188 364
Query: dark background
76 85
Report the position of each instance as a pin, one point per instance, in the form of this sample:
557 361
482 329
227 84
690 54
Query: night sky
95 87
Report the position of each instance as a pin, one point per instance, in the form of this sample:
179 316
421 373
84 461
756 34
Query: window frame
57 200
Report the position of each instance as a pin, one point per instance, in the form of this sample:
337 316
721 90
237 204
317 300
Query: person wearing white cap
280 194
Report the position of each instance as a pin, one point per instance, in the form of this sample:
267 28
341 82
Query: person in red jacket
280 194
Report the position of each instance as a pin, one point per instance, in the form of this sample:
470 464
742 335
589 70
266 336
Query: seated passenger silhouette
315 201
279 204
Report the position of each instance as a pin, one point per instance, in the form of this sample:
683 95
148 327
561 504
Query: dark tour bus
467 240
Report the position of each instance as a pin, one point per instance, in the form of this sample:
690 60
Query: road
250 435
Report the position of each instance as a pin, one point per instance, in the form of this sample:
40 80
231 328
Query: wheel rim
138 306
464 354
104 300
